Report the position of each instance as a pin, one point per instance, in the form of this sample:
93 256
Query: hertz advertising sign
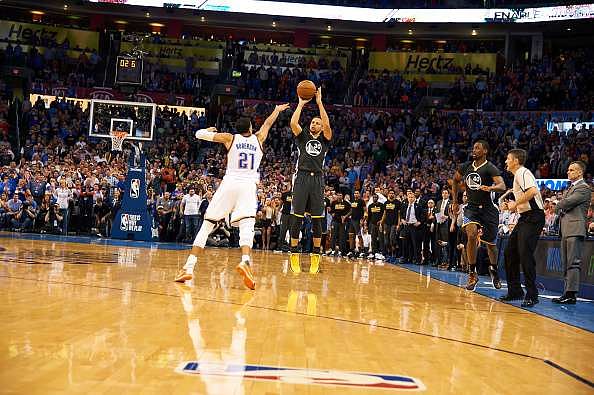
423 62
25 32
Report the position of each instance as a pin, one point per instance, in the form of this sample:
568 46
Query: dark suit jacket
420 212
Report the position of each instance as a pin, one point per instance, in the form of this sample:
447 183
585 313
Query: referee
308 184
523 239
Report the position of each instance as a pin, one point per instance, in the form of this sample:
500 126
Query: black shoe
564 299
495 277
530 302
510 298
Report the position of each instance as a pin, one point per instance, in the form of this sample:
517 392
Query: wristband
204 134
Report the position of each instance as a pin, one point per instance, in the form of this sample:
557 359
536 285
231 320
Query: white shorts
238 198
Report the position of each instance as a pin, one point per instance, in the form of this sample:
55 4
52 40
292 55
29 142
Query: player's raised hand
281 107
319 95
302 101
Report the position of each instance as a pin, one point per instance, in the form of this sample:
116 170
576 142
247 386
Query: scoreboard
128 70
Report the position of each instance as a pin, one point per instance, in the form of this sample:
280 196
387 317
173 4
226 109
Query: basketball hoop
117 139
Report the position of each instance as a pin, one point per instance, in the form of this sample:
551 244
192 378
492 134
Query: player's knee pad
316 227
246 232
296 223
205 230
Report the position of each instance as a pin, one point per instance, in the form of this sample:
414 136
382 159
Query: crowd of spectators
53 63
274 76
561 82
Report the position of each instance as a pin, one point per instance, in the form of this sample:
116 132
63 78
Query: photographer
103 218
219 236
23 220
53 219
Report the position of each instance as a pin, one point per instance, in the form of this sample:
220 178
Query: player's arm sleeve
494 171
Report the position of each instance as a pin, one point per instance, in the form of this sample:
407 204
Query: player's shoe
495 277
349 255
379 256
314 266
246 272
371 255
473 280
294 263
182 276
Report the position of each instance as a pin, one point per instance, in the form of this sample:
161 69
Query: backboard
137 119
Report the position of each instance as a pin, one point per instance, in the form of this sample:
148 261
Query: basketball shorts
486 216
235 197
308 194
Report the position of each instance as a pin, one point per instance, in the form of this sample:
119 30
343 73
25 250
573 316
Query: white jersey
243 159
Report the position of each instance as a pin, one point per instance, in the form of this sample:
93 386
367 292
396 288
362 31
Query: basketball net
117 139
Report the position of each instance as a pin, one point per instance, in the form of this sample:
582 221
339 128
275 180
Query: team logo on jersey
473 181
135 188
303 376
313 147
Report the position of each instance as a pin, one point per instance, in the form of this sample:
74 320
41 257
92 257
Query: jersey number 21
243 161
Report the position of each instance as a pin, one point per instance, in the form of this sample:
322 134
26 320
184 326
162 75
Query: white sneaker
379 256
331 253
370 256
339 254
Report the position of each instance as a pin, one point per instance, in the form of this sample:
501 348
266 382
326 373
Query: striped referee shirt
524 180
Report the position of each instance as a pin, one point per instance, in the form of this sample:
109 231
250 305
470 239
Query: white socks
190 263
245 258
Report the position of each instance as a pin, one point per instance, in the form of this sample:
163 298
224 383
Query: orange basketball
306 89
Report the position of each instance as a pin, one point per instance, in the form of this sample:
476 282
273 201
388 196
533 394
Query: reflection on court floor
84 318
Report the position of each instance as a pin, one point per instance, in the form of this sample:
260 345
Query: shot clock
128 70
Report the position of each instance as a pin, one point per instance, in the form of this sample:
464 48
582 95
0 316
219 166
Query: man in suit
572 210
412 217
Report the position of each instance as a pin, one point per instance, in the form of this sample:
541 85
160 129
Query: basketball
306 89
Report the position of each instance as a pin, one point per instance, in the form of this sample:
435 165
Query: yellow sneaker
182 276
294 263
314 266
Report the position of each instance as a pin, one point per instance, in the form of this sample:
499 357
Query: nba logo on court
330 378
134 188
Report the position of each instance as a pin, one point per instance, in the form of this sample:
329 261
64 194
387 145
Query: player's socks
187 272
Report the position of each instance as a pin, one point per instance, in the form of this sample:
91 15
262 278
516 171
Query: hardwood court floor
79 318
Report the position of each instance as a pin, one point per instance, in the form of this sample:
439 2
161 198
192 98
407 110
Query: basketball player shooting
481 178
308 185
237 193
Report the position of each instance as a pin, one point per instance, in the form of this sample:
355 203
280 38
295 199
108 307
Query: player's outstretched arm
210 134
327 131
296 115
262 134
